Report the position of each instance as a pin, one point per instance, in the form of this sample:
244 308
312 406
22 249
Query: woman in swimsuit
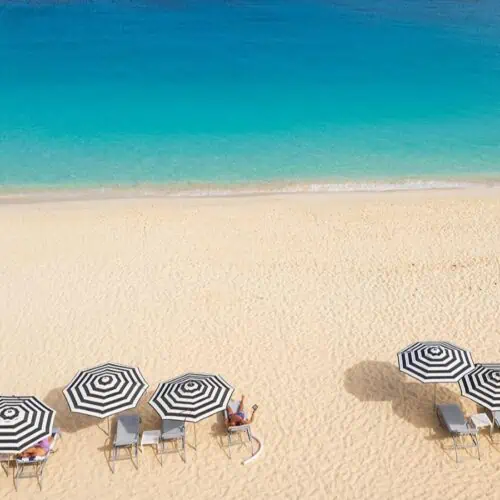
40 449
238 418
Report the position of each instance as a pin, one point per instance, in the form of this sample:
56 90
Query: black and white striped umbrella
435 362
191 397
24 421
482 385
105 390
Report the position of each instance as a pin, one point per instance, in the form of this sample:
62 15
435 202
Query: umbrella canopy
105 390
482 385
24 421
435 362
191 397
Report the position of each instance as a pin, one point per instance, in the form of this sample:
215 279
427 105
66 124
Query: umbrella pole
108 425
435 387
195 441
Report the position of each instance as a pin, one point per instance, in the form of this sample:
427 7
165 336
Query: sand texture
301 302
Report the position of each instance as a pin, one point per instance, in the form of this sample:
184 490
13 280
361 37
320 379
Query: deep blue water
231 91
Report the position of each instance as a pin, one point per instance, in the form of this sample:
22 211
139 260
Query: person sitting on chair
40 449
238 418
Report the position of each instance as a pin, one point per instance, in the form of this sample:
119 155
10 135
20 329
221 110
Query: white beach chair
239 430
173 431
452 418
34 467
127 436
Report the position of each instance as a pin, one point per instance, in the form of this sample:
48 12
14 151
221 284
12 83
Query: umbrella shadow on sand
411 400
66 420
71 422
149 417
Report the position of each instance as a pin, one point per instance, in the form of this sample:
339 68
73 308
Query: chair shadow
218 432
410 400
106 449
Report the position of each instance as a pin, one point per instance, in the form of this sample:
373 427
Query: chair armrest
31 460
471 429
237 428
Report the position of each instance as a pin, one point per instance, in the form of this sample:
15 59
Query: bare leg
251 418
229 416
241 407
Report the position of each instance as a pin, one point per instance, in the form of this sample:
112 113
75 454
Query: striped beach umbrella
482 385
105 390
24 421
435 362
191 397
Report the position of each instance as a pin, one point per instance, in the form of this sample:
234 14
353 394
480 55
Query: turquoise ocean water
222 92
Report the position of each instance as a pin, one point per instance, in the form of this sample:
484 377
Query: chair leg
19 470
39 476
456 450
184 448
114 453
229 446
249 434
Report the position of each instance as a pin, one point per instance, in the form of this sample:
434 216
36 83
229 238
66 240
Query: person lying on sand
40 449
238 418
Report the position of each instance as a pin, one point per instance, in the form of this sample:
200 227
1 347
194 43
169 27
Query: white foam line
348 187
173 191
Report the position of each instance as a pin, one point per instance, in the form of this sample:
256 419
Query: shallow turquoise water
158 92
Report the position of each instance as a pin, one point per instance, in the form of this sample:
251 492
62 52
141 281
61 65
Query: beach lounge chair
173 431
237 429
127 436
452 418
34 467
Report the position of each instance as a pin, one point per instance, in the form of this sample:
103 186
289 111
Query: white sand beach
301 302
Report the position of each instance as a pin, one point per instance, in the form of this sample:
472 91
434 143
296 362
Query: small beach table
150 438
481 421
